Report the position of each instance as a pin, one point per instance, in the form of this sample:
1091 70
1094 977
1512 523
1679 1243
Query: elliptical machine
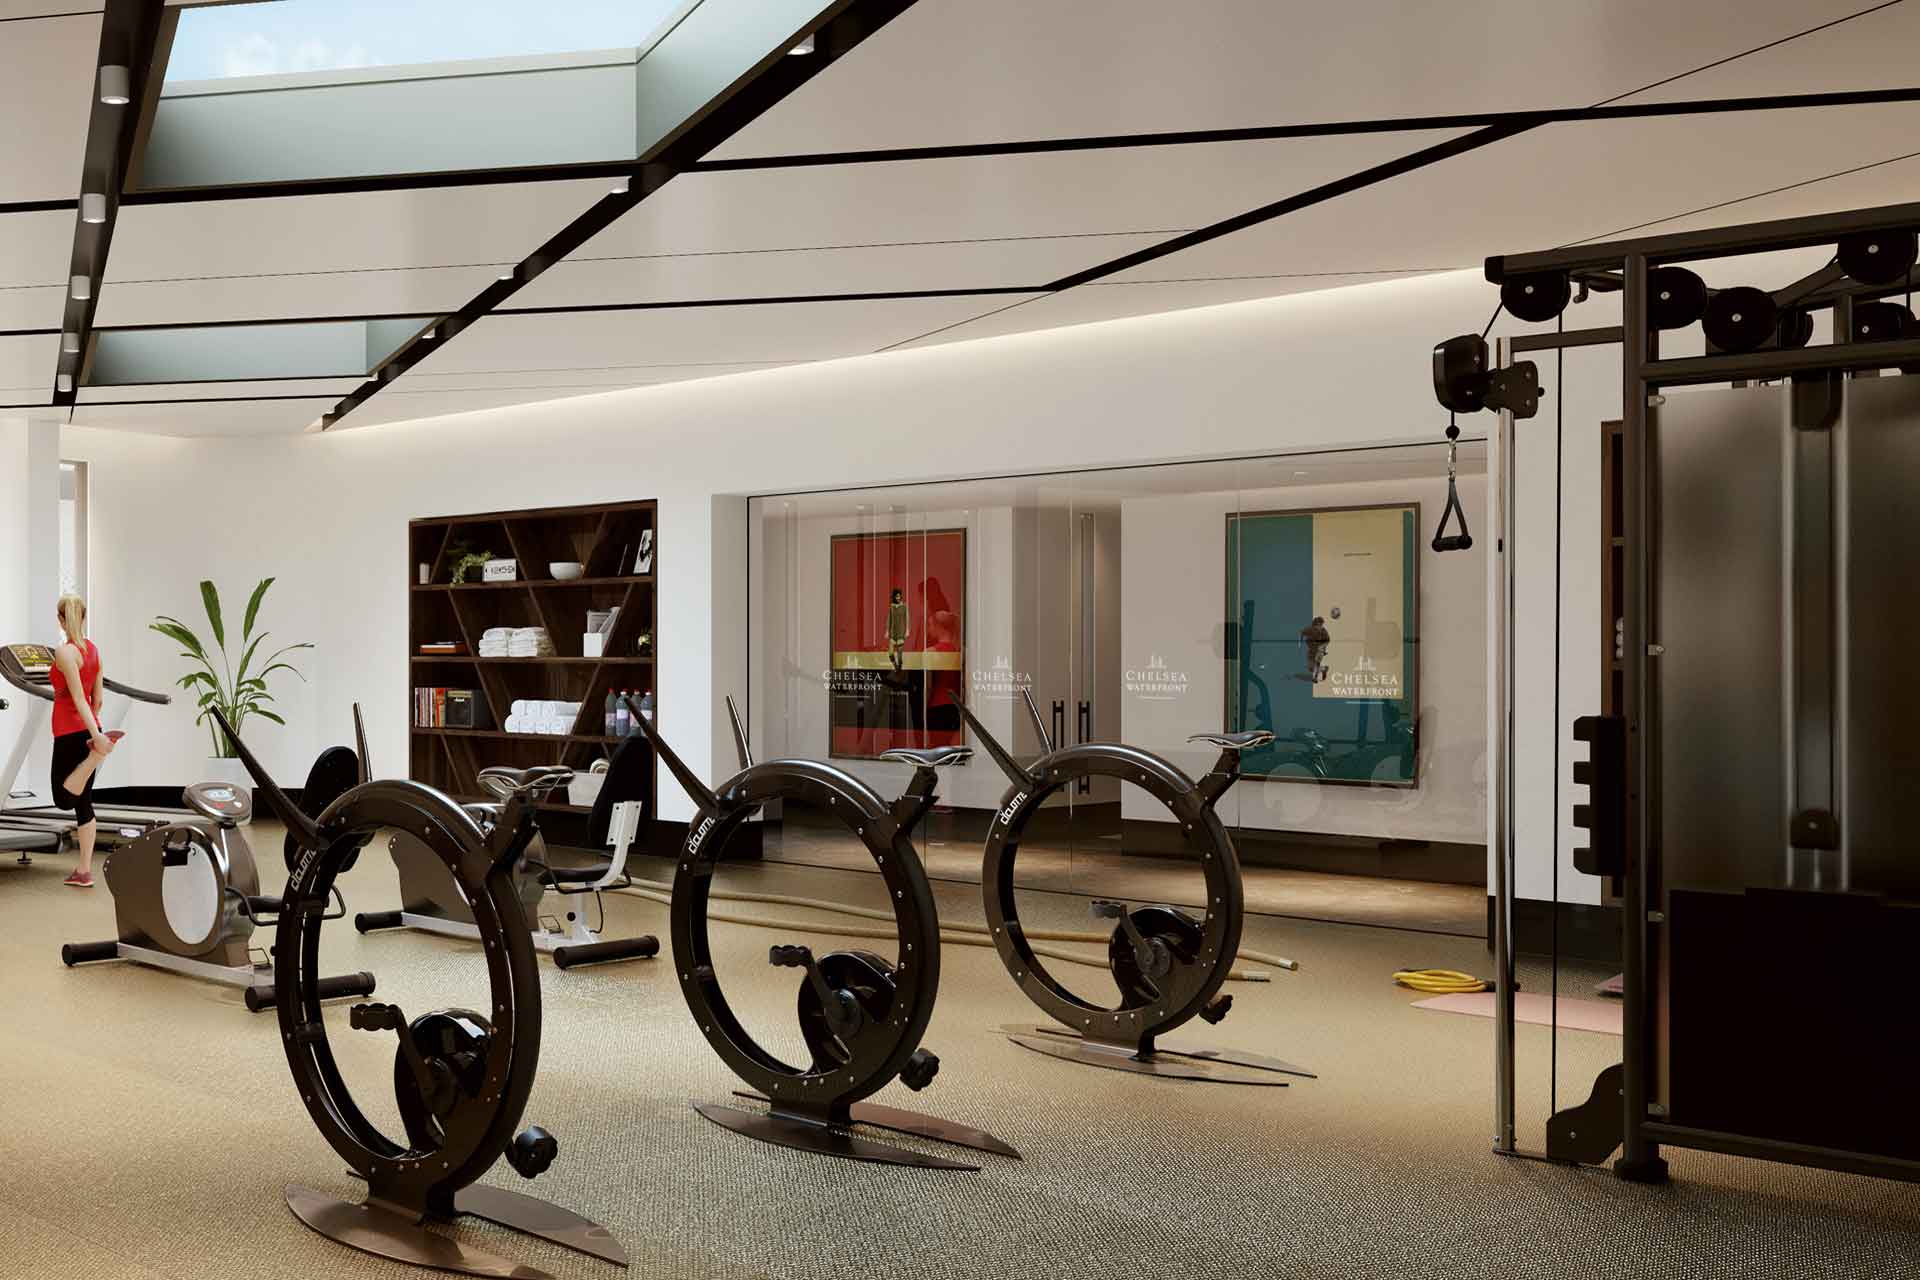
186 896
432 902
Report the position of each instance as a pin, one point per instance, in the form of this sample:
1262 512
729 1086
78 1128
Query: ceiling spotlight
509 273
63 383
430 335
70 343
620 188
805 46
115 86
93 208
81 288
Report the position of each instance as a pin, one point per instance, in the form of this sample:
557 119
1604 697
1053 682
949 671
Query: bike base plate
534 1217
802 1135
900 1120
387 1234
1218 1066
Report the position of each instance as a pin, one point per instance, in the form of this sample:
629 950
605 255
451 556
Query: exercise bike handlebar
303 829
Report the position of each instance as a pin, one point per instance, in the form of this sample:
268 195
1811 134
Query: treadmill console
222 802
28 667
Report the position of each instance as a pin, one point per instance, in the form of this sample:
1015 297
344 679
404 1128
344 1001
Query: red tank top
66 717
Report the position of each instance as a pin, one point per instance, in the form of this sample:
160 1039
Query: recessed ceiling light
63 384
509 273
805 46
93 207
70 343
429 335
1299 473
115 88
621 187
81 288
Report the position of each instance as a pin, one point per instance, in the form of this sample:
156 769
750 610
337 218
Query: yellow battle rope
1441 981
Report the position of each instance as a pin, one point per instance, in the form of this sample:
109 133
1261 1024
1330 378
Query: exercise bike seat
560 877
928 757
1243 741
506 782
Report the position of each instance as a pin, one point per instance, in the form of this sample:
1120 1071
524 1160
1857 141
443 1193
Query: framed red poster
898 611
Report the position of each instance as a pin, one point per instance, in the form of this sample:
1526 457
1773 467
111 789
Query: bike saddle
504 781
928 757
1243 741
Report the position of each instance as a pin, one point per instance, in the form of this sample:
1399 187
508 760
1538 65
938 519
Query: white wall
29 574
328 513
1174 569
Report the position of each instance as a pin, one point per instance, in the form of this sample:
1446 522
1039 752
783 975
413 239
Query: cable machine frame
1623 1103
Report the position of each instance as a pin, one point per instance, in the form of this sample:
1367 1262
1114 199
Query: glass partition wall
1294 593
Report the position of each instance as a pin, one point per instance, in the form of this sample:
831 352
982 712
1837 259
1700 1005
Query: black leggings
69 753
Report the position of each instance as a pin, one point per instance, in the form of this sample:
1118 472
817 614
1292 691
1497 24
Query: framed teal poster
1321 636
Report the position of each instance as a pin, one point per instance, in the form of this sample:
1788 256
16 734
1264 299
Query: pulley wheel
1741 318
1878 257
1171 937
1536 296
1676 297
1794 329
861 979
1881 321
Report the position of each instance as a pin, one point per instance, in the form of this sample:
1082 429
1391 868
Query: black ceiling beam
1327 129
1317 195
614 169
131 32
776 76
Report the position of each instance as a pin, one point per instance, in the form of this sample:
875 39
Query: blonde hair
73 617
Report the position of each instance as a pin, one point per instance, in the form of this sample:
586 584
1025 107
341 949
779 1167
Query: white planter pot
229 770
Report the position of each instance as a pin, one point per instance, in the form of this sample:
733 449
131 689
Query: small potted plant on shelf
238 692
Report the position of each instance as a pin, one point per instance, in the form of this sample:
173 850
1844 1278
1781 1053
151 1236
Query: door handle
1085 728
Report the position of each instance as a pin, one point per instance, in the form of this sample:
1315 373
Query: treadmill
27 667
25 840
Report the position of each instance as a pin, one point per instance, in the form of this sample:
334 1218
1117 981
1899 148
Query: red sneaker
79 880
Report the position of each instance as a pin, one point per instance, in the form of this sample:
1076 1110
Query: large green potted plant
239 692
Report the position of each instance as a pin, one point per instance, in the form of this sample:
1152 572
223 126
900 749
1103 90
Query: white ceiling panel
1551 186
1094 302
796 272
434 291
334 387
35 248
778 334
46 96
12 9
394 405
1894 183
570 379
28 362
361 231
1135 190
1873 51
40 308
971 71
237 418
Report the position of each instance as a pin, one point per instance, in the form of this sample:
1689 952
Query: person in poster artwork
897 628
1314 639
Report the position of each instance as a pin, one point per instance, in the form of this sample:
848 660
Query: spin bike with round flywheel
462 1077
861 1016
1168 964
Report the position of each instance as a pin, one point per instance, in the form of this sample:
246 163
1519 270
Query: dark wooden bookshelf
602 537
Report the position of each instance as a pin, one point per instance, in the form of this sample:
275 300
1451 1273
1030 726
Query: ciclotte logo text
1155 682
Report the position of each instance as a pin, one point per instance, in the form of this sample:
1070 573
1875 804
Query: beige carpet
150 1126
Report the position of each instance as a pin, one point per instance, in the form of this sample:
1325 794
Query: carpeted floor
150 1127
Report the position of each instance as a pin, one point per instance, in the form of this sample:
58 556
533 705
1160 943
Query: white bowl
566 570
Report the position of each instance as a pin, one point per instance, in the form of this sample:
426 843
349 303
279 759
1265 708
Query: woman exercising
79 744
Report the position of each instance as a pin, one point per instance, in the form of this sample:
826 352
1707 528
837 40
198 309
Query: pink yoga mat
1575 1014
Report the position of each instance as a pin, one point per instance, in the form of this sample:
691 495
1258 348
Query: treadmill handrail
138 695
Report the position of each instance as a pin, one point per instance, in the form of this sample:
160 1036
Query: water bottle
646 706
608 730
623 717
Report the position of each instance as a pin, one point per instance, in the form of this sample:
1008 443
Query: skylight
282 37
